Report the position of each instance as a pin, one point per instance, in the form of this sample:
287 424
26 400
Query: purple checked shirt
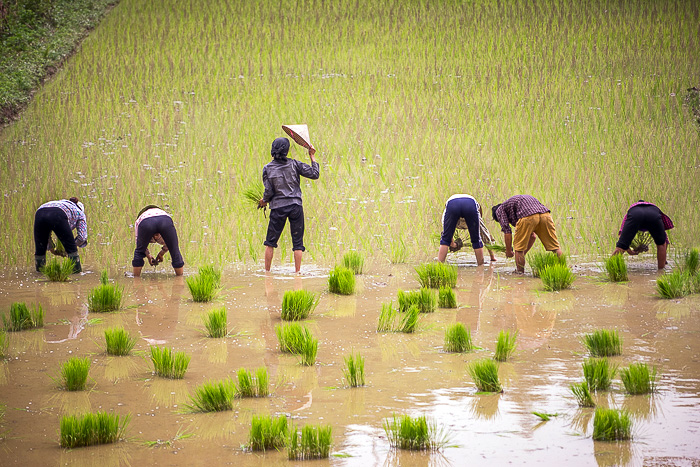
517 207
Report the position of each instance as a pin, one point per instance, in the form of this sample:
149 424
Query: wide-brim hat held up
300 134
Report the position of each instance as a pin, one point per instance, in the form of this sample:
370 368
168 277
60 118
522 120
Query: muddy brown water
405 373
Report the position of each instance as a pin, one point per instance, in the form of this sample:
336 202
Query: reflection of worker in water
281 178
645 217
463 212
531 220
153 225
60 217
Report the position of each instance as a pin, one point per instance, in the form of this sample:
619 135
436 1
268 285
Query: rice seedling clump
691 262
447 298
611 425
74 373
641 242
216 323
105 297
267 432
341 280
214 396
677 284
4 344
539 260
354 370
58 271
638 378
119 342
603 343
582 394
484 372
598 373
298 304
354 260
387 318
425 299
556 277
313 442
505 345
297 340
169 364
253 385
415 434
22 318
458 339
205 285
436 275
616 268
91 429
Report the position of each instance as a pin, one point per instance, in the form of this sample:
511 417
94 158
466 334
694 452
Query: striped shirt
76 219
517 207
153 212
668 223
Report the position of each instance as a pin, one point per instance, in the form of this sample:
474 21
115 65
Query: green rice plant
616 268
354 260
398 253
58 248
638 378
598 373
556 277
205 285
253 194
484 372
22 318
119 342
611 425
677 284
169 364
539 260
298 304
216 323
293 337
387 318
436 275
354 370
447 298
313 442
603 343
91 429
58 271
341 280
215 396
415 434
505 345
409 320
458 339
262 382
4 344
105 298
545 417
267 432
640 243
425 299
582 394
104 277
250 385
691 262
308 352
74 373
497 247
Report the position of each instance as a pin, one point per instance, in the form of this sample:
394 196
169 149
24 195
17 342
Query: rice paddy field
176 103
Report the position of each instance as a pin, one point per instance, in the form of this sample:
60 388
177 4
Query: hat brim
299 133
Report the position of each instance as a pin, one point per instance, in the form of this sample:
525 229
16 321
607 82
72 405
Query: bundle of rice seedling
616 268
436 275
641 242
538 261
313 442
253 194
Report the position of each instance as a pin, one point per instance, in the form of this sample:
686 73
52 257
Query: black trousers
47 220
278 218
164 226
642 217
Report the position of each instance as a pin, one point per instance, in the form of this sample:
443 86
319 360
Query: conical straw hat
299 133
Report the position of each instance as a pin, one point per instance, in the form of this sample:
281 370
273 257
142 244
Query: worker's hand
509 253
312 151
159 258
152 261
262 204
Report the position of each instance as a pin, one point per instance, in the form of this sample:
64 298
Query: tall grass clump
505 345
341 280
447 298
22 318
354 260
556 277
485 375
253 385
354 371
216 323
169 364
539 260
598 373
91 429
215 396
638 378
267 432
414 434
582 394
611 425
458 339
313 442
616 268
119 342
105 297
436 275
205 285
298 304
74 373
425 299
58 270
677 284
603 343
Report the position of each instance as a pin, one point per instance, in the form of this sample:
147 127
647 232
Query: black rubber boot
76 259
40 262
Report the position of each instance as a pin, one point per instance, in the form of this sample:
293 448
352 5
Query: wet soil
405 373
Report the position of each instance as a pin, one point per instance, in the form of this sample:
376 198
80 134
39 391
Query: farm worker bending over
153 225
645 217
60 217
531 220
281 179
462 212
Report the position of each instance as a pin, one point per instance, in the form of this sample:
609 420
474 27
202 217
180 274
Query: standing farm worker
531 220
153 225
281 178
647 218
60 217
463 212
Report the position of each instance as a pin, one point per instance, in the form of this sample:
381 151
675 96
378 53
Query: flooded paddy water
405 373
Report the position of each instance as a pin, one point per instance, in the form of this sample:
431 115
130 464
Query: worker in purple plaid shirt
646 217
531 220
